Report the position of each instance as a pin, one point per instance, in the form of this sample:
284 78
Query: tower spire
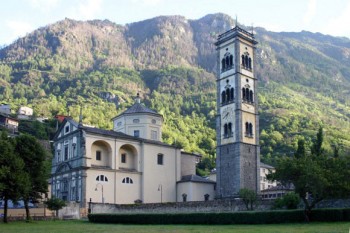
236 21
137 99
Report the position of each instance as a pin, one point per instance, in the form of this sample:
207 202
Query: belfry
237 123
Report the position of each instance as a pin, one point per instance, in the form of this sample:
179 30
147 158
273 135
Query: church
131 164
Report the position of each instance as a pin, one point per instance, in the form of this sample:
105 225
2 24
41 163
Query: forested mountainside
304 78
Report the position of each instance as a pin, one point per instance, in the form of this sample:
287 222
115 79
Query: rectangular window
66 153
66 130
72 194
160 159
154 135
137 133
123 158
98 155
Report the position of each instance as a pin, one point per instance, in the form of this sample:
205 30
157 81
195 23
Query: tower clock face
227 114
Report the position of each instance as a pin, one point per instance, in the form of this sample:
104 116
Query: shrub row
253 217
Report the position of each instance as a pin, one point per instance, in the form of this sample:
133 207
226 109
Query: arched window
227 62
247 94
225 131
232 95
102 178
228 95
127 180
246 60
250 129
251 99
223 97
229 129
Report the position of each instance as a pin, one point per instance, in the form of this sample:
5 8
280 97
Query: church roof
196 179
139 108
264 165
115 134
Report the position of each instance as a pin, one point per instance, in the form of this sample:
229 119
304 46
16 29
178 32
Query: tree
55 204
315 176
289 200
316 148
36 169
249 198
12 179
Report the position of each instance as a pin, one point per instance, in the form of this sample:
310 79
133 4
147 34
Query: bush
244 217
288 201
327 215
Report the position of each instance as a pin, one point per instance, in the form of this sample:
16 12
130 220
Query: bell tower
237 123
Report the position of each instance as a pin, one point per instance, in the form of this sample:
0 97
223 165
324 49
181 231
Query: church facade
125 165
237 124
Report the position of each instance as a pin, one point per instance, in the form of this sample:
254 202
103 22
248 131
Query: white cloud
17 29
147 2
271 26
44 5
88 9
311 12
340 25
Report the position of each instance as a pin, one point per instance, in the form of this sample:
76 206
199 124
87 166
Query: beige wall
106 155
195 191
127 193
142 122
188 164
159 181
92 184
248 117
105 145
33 212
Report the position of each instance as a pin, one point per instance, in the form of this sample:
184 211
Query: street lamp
160 188
103 200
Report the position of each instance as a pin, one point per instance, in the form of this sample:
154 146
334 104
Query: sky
19 17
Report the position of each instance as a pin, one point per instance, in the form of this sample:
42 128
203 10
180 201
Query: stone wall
334 203
215 206
179 207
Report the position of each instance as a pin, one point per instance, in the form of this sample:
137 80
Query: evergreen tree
36 169
12 179
317 148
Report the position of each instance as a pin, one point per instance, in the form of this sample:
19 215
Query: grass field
73 226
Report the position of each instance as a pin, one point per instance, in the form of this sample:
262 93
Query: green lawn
86 227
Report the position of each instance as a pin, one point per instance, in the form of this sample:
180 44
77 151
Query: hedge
251 217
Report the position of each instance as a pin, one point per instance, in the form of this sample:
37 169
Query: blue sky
19 17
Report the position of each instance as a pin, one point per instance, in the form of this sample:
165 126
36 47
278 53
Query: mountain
304 78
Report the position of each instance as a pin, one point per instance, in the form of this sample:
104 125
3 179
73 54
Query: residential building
266 169
10 123
5 109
